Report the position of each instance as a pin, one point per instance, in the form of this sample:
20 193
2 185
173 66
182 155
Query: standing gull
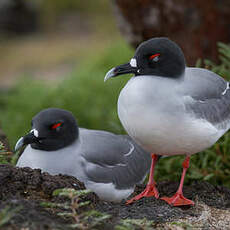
171 109
108 164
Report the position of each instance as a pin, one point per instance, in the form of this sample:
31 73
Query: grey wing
117 159
211 96
203 84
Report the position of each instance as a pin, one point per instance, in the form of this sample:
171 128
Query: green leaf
209 176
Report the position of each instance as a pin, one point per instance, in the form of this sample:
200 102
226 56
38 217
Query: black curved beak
27 139
119 70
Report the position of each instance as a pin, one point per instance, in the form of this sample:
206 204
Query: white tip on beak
19 144
109 74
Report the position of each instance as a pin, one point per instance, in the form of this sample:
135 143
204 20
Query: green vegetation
52 11
183 225
223 68
2 154
133 224
5 156
7 213
84 92
73 208
59 6
93 102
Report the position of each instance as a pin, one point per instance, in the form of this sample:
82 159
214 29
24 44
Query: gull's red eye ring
153 56
56 125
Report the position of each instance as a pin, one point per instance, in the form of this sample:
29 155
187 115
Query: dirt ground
25 189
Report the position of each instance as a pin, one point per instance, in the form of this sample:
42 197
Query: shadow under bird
169 108
106 163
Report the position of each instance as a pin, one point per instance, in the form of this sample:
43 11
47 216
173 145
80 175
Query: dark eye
56 125
154 57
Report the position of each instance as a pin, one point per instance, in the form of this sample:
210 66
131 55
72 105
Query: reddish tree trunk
195 25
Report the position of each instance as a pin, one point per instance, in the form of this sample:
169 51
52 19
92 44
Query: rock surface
27 188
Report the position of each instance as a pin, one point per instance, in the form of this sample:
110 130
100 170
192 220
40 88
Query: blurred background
55 53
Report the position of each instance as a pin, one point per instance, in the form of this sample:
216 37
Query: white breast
153 114
108 192
64 161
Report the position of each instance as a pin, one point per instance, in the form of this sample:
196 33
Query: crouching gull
108 164
171 109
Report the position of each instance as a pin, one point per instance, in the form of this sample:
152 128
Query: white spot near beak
133 62
35 132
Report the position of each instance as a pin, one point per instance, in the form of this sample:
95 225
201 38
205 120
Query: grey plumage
195 108
210 94
108 164
117 160
171 109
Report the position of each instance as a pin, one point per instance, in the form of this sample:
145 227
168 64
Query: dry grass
55 52
49 55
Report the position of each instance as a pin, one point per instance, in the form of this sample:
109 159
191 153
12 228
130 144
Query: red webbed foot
149 191
177 200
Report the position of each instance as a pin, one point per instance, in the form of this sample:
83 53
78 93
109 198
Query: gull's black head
160 56
157 56
52 129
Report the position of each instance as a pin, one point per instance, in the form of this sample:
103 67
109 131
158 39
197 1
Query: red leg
178 199
150 189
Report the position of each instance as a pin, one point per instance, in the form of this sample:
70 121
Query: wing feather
117 159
